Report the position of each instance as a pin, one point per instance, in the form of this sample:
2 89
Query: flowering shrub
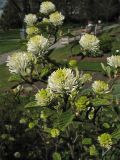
20 63
113 63
56 18
30 19
31 31
62 81
100 87
47 7
74 117
90 44
37 45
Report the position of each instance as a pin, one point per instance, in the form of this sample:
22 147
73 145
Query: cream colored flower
38 45
105 140
100 87
114 61
89 43
47 7
19 63
56 18
62 81
32 30
30 19
43 97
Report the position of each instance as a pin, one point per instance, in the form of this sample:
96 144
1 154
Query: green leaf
116 90
116 134
32 125
14 78
31 105
106 125
63 120
87 141
44 72
56 156
101 102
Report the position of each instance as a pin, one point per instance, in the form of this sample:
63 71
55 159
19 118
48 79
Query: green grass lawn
65 52
10 45
10 34
10 40
61 54
4 76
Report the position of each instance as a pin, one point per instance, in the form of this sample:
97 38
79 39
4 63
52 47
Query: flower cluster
62 81
32 30
82 103
43 97
19 63
47 7
56 18
105 140
90 43
100 87
85 78
55 132
30 19
114 61
37 45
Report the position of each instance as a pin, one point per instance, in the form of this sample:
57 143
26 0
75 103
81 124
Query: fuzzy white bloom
90 43
56 18
38 45
117 51
32 30
114 61
30 19
47 7
62 81
43 97
20 62
100 87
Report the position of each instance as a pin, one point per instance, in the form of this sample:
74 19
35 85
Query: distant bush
106 42
116 48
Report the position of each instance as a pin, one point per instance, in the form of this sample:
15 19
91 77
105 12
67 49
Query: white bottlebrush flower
114 61
100 87
32 30
90 43
30 19
20 62
56 18
47 7
38 45
43 97
62 81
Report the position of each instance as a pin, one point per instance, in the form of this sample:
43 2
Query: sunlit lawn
10 40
